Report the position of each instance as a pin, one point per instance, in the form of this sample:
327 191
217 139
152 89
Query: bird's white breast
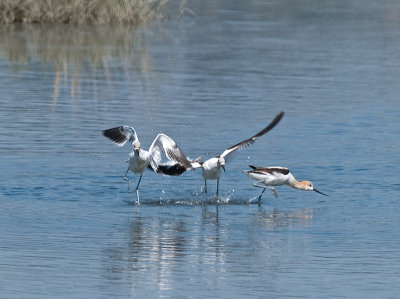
138 164
210 169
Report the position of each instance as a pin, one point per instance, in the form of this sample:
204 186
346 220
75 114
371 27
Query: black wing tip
245 143
272 124
276 120
114 134
279 116
254 167
171 170
111 131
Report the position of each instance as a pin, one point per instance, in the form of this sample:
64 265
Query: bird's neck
298 185
140 153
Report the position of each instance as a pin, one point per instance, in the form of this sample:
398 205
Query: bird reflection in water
276 219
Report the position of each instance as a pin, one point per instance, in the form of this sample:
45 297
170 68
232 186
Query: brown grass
80 11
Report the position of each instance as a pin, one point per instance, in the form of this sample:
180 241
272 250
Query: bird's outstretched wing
121 135
245 143
164 146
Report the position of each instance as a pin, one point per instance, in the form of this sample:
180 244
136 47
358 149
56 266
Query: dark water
68 223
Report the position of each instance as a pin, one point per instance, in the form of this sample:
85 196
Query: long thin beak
223 167
320 192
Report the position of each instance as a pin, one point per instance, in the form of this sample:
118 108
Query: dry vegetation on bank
80 11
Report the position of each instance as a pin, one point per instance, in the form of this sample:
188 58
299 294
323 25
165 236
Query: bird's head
136 146
308 186
221 162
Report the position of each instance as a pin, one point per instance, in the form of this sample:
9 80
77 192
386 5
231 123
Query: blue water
69 226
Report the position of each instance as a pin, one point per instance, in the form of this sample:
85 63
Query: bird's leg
259 197
217 187
126 179
265 186
137 195
205 186
261 184
137 189
275 192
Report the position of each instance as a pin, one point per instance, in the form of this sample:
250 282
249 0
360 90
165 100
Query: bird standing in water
211 169
140 159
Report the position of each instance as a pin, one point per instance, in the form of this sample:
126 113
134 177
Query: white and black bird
269 177
163 147
211 169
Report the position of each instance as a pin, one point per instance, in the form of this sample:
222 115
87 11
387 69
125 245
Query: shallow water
68 223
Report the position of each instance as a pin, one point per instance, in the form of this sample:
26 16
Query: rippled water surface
69 226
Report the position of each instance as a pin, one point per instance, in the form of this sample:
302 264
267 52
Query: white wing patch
164 147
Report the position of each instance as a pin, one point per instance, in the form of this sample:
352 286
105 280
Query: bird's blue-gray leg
126 178
137 189
265 186
259 197
205 186
217 186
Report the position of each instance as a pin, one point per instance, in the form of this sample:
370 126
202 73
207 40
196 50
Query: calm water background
68 223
